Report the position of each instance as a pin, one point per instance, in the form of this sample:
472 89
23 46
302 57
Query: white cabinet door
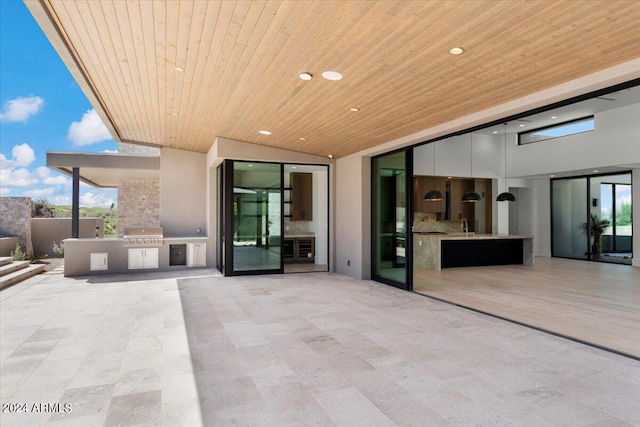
196 254
151 258
98 261
143 258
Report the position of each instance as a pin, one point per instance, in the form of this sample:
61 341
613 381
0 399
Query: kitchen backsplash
296 227
426 222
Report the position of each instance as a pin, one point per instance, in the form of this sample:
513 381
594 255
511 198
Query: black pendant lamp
433 195
471 196
506 196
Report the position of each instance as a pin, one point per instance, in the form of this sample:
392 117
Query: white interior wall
614 142
542 217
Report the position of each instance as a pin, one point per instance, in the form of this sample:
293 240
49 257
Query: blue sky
42 109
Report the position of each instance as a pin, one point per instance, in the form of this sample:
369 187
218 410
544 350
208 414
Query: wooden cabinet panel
299 249
460 209
301 197
422 185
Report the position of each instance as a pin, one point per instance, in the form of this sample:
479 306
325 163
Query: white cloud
42 172
23 155
57 180
60 200
624 199
89 130
102 199
38 193
21 108
110 151
4 191
20 177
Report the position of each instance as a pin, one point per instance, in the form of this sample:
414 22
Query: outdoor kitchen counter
78 254
437 251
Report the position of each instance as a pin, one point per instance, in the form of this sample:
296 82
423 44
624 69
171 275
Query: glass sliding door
591 218
611 200
253 210
569 209
391 236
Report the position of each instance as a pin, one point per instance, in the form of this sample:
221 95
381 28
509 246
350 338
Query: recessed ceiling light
302 138
521 126
264 132
596 171
250 165
456 51
180 69
305 76
332 75
552 176
330 156
448 177
554 117
294 167
354 109
495 131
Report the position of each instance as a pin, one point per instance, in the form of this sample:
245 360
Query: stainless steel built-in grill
143 237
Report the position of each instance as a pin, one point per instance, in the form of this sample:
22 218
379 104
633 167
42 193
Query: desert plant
58 248
597 227
18 255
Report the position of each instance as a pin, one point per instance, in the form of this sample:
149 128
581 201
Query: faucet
465 226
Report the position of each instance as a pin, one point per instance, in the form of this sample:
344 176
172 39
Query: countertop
473 236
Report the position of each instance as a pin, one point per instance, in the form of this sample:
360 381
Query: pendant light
471 196
433 195
506 196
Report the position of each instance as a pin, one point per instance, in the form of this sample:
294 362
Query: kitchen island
434 251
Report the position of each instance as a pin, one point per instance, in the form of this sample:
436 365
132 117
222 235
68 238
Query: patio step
22 274
4 260
12 266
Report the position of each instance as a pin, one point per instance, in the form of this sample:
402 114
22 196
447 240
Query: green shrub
18 255
58 248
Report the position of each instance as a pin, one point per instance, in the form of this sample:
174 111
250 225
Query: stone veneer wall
138 204
126 148
15 220
138 199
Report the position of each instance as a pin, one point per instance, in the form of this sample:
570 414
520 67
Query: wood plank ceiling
241 61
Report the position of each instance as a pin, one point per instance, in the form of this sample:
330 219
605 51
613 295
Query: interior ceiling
241 61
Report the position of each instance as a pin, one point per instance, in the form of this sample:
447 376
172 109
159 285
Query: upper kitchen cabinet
422 185
301 196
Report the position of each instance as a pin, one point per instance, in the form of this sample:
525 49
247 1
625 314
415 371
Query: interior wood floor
596 303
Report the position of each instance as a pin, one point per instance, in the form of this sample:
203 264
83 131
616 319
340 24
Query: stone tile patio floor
288 350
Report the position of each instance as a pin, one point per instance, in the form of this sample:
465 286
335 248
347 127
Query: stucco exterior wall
183 183
15 220
45 231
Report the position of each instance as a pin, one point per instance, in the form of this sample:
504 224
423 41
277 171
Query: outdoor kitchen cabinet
143 258
196 254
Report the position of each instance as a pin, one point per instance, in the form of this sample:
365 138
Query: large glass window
390 218
573 127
